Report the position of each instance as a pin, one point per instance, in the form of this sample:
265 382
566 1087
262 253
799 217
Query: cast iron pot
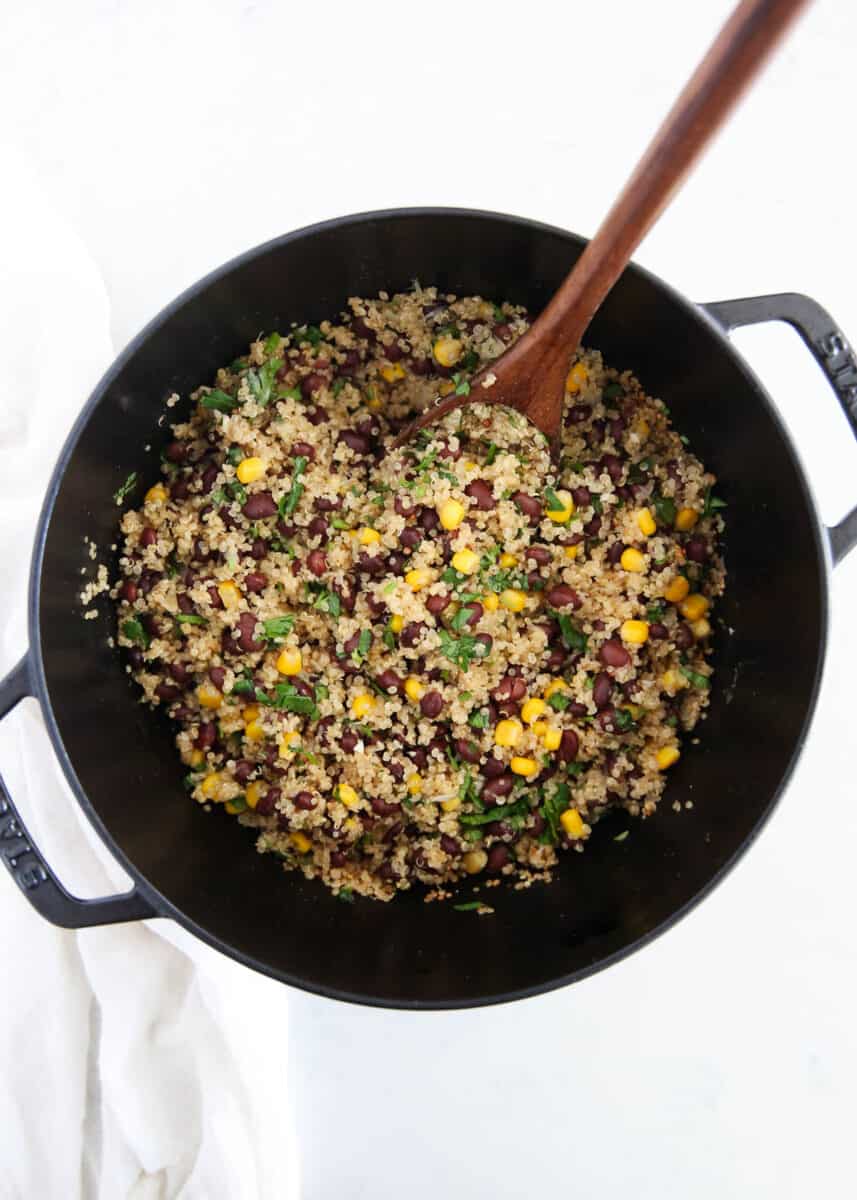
202 870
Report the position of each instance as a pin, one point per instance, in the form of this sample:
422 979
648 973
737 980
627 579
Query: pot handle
830 349
28 868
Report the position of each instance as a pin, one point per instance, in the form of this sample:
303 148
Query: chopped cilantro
655 612
571 635
364 645
309 333
553 501
135 632
261 382
328 602
508 813
665 510
278 627
338 385
468 363
623 720
243 687
492 453
694 677
595 501
126 488
620 837
499 315
462 386
345 894
293 393
469 906
219 401
478 720
289 502
461 651
389 639
459 621
190 619
559 701
711 503
552 808
613 391
234 455
271 343
238 804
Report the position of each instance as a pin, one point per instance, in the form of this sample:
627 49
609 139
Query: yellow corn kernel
491 602
447 351
392 372
250 469
700 629
300 841
210 786
572 823
157 494
254 732
633 560
254 793
346 795
508 732
249 713
507 559
641 427
446 388
523 766
418 578
414 690
555 685
513 599
551 739
196 758
290 661
539 728
465 561
693 607
635 632
470 465
686 518
676 589
532 709
362 705
451 514
636 710
666 756
576 378
368 537
646 522
561 516
234 807
373 400
571 552
414 784
397 623
288 743
450 804
474 861
209 696
673 681
229 593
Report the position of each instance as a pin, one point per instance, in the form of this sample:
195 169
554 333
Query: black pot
202 869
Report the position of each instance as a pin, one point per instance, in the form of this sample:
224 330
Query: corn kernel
414 784
157 494
254 731
196 758
507 559
288 743
571 552
636 710
474 861
290 661
673 681
254 793
676 589
418 578
532 709
229 593
551 739
414 690
576 378
646 522
693 607
450 804
451 514
373 400
250 469
397 623
523 766
666 756
632 560
513 599
685 520
249 713
346 795
700 629
447 351
446 388
234 806
555 685
561 516
210 786
491 602
368 537
641 428
539 728
572 823
508 732
300 841
470 465
209 696
362 705
465 561
635 632
392 372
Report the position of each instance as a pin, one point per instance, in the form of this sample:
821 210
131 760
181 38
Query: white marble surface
722 1061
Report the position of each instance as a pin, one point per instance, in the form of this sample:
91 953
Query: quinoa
432 663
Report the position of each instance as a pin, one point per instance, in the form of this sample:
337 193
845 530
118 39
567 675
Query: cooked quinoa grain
432 664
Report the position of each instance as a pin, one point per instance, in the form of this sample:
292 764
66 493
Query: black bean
683 637
175 452
467 750
529 506
304 801
128 591
602 689
255 581
431 704
562 596
317 562
614 554
449 845
657 631
492 767
260 505
303 450
592 528
437 603
349 741
355 441
539 554
209 476
326 504
498 856
268 803
480 492
410 538
247 639
207 735
404 506
411 634
317 527
614 654
696 549
428 519
569 745
581 496
390 681
499 786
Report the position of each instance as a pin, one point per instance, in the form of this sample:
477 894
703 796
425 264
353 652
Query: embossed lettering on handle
840 366
14 845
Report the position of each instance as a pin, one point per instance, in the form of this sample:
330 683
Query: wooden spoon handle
742 46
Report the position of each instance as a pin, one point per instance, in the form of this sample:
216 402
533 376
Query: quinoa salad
431 664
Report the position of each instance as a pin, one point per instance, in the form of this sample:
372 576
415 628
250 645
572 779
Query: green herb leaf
499 315
552 500
278 627
478 720
308 333
469 906
711 503
126 488
389 639
462 386
665 510
338 523
552 809
469 362
623 720
190 619
234 455
287 698
459 621
492 453
620 837
243 687
559 701
694 677
290 501
595 501
346 894
219 401
508 812
135 632
364 645
239 805
461 651
328 602
271 343
655 612
613 391
289 393
572 638
261 382
338 385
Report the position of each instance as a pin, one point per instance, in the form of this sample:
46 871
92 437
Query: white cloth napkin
136 1061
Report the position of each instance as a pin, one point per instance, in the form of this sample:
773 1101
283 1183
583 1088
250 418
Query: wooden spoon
530 376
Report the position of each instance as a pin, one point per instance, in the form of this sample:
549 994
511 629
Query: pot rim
163 906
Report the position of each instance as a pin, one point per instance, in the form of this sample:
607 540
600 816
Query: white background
723 1060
